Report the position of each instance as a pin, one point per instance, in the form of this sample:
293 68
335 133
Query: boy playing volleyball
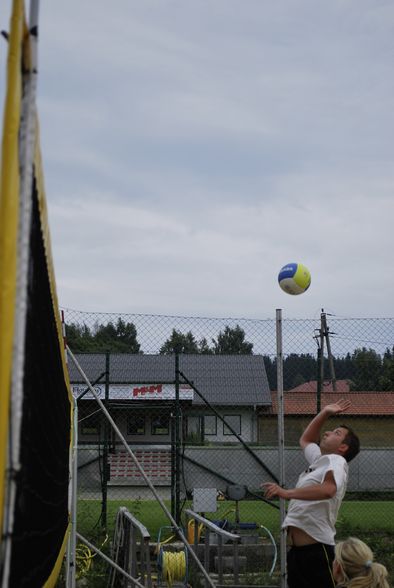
315 501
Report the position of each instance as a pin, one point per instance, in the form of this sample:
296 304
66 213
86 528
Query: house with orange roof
341 386
371 413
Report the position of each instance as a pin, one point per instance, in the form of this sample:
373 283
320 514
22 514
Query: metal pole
320 364
104 475
329 354
177 442
72 542
173 465
319 382
173 447
281 443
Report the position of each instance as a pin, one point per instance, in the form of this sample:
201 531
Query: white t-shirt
318 517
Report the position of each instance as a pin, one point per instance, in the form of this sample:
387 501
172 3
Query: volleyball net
35 400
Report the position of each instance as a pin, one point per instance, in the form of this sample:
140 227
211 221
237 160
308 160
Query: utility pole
323 336
107 432
329 354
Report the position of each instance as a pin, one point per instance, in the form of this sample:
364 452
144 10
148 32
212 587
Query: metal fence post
105 450
319 383
72 541
177 442
281 442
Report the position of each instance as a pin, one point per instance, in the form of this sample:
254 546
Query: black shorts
310 566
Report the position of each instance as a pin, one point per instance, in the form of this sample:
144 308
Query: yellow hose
173 566
190 531
84 558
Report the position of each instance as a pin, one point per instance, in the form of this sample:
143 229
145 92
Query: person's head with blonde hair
354 566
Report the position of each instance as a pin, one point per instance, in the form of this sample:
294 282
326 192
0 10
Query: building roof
301 402
222 379
311 386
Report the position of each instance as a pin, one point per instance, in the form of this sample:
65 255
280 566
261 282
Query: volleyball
294 278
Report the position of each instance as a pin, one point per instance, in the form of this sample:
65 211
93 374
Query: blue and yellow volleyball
294 278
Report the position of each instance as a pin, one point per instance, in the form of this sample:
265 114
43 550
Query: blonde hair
358 569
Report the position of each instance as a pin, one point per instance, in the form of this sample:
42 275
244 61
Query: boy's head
342 441
353 443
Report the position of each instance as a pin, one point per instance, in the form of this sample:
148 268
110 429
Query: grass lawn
369 520
365 515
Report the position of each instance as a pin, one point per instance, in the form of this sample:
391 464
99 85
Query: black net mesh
41 511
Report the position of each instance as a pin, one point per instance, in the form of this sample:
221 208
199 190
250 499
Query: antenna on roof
323 335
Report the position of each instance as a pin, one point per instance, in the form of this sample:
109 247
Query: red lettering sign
144 390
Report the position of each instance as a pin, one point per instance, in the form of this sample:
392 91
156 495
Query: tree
344 367
386 380
179 343
298 380
119 338
270 368
204 348
297 367
367 369
79 337
232 341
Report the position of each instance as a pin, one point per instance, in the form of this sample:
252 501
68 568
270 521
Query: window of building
193 429
193 425
161 425
210 424
199 424
136 425
234 420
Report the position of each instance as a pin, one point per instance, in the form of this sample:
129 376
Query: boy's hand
271 490
338 407
312 432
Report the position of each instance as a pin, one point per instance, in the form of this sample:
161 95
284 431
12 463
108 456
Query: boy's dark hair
353 443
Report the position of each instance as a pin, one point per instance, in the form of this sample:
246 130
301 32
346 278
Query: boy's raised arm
312 432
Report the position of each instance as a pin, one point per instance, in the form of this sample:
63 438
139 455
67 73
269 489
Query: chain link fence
196 401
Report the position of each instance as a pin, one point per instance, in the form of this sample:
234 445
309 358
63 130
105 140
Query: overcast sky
192 148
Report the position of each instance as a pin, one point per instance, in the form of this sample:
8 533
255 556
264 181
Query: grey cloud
192 149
